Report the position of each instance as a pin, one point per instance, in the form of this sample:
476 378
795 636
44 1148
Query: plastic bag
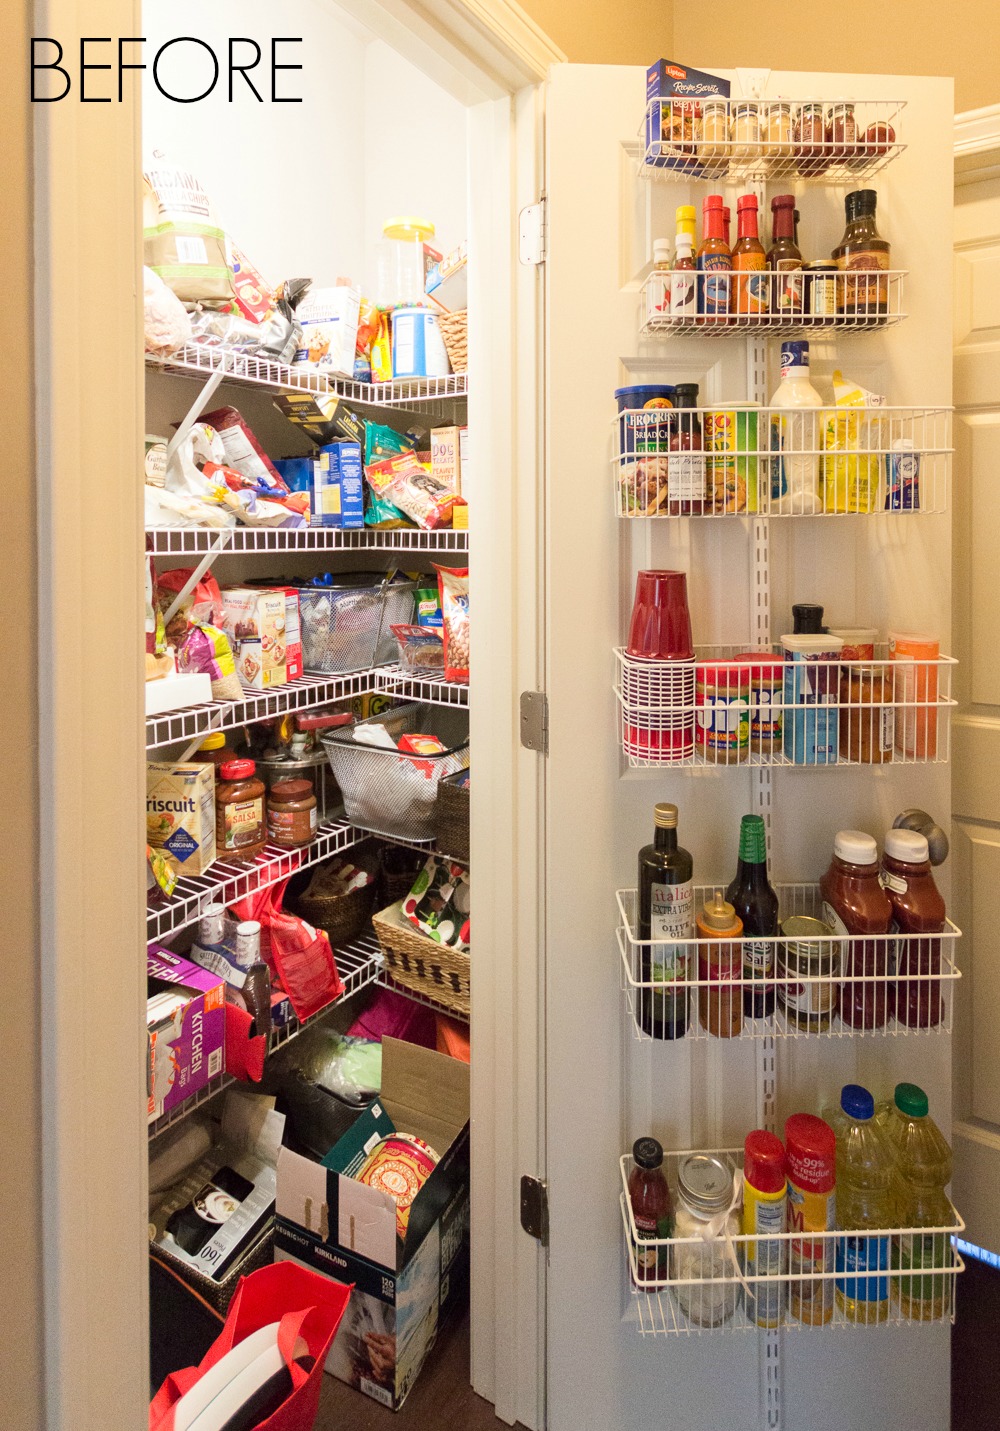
183 241
298 955
202 604
166 325
850 483
438 904
453 588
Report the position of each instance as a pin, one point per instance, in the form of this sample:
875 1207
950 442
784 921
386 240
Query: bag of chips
453 589
183 241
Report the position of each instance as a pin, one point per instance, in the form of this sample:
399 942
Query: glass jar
767 683
214 750
805 951
240 829
809 138
821 298
744 130
713 146
841 132
291 814
777 131
868 724
704 1266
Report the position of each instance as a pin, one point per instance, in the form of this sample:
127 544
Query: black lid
807 619
647 1153
860 201
686 395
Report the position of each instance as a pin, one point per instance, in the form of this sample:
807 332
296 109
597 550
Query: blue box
338 491
669 80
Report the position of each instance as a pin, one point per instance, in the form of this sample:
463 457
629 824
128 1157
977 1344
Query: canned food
732 477
809 953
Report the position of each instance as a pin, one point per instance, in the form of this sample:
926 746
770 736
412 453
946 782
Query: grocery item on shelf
446 457
418 349
744 130
255 298
808 965
921 1172
714 264
807 619
241 827
722 710
408 485
255 622
244 452
850 483
652 1209
438 904
821 291
706 1215
180 814
329 321
682 283
854 902
864 1205
166 325
670 125
338 492
750 292
660 627
916 685
862 255
421 649
184 243
665 913
812 687
686 474
756 905
712 147
720 999
784 257
902 477
811 1152
185 1024
859 645
917 909
795 435
453 590
868 717
767 681
765 1209
732 478
291 814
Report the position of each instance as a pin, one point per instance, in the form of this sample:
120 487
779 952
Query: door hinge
532 233
535 1208
535 721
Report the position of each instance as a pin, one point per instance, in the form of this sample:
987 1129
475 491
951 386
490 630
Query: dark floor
441 1399
974 1344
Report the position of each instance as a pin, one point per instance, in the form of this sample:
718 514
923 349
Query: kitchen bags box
668 80
186 1049
333 1224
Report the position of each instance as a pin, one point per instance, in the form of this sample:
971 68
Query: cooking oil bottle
864 1207
922 1171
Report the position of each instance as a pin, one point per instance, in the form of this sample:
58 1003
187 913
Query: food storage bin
451 817
423 966
345 624
389 791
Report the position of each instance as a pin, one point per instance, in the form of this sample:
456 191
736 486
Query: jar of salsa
240 830
809 137
917 909
291 814
854 902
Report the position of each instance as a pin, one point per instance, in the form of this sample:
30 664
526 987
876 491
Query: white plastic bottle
660 279
795 435
683 299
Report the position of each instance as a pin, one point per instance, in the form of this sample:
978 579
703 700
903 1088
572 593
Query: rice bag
165 323
414 490
439 902
183 241
453 588
850 483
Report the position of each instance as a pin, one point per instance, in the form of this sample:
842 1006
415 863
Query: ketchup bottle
917 908
714 263
854 902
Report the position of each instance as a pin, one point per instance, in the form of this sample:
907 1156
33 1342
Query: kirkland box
185 1028
334 1224
664 123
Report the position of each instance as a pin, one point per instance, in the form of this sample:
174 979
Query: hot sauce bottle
750 284
784 257
686 474
714 264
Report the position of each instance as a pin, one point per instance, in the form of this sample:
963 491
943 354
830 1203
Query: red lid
764 1161
763 664
811 1150
237 769
730 673
711 201
746 201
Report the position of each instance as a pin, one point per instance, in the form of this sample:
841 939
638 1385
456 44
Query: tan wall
726 33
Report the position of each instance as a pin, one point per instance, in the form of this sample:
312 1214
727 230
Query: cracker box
329 319
332 1223
186 1033
446 457
180 813
256 625
669 81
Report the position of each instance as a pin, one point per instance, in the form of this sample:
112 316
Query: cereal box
180 814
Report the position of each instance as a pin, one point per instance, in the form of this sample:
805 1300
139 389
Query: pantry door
604 1088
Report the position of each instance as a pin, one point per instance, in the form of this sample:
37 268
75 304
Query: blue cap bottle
857 1102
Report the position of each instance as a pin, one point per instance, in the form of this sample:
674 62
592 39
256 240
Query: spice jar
809 138
703 1268
777 130
805 951
720 968
291 814
868 724
722 711
821 299
240 831
713 147
744 130
841 132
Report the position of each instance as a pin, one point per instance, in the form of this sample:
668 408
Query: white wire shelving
432 690
358 964
306 693
250 541
386 981
814 985
785 303
695 1288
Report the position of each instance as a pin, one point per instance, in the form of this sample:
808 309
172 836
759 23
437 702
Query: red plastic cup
661 623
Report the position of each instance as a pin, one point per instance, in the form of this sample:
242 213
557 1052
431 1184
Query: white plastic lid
661 249
813 645
902 444
910 846
684 241
855 847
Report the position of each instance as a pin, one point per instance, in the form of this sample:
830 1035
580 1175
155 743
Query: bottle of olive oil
666 908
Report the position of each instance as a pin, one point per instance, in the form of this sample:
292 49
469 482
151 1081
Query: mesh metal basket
387 791
346 626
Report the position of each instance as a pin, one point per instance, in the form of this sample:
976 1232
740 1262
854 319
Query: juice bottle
652 1209
750 293
921 1173
714 264
864 1205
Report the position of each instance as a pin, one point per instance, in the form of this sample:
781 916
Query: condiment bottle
684 217
659 280
686 475
214 750
714 264
291 813
807 619
784 258
240 829
212 927
795 436
683 299
720 1002
665 901
652 1210
765 1200
750 292
862 250
917 908
756 905
811 1150
854 902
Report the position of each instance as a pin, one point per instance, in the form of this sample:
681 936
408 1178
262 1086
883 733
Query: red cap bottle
764 1161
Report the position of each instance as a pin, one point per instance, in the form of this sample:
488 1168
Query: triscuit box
180 813
185 1044
334 1224
255 623
446 457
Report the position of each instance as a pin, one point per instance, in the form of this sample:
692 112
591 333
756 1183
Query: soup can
731 433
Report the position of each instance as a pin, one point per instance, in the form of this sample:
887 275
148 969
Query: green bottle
756 904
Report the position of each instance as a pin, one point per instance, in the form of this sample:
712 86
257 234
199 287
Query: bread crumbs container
810 734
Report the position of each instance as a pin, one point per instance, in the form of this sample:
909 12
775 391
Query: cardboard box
329 319
185 1046
670 81
333 1224
293 633
322 416
339 499
180 813
446 457
255 623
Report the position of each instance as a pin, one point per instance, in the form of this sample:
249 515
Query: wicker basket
343 916
415 962
455 332
400 867
451 818
219 1293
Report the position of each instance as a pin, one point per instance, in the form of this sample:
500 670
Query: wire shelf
225 882
433 690
744 460
695 1288
821 984
304 694
195 541
737 139
789 303
403 392
358 964
386 981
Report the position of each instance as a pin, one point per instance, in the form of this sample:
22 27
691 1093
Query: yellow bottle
922 1171
864 1206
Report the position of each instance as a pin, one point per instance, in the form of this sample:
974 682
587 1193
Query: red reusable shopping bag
298 955
307 1304
244 1055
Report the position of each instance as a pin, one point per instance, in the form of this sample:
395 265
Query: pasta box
329 1221
185 1028
667 80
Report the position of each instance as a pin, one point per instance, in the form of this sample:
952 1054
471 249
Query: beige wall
925 39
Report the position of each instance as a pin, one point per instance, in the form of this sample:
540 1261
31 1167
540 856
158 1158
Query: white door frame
87 336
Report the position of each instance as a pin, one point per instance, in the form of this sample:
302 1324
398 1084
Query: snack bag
453 587
438 904
206 649
380 350
183 241
414 490
244 453
849 483
254 296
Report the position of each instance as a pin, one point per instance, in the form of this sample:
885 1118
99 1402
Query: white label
686 479
682 288
833 919
671 907
892 881
758 956
887 729
189 249
214 1062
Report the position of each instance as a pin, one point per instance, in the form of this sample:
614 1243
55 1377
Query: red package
203 604
254 297
453 595
307 1305
298 955
244 452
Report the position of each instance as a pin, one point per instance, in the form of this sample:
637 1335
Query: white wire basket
910 1274
736 708
796 985
768 301
826 141
739 459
